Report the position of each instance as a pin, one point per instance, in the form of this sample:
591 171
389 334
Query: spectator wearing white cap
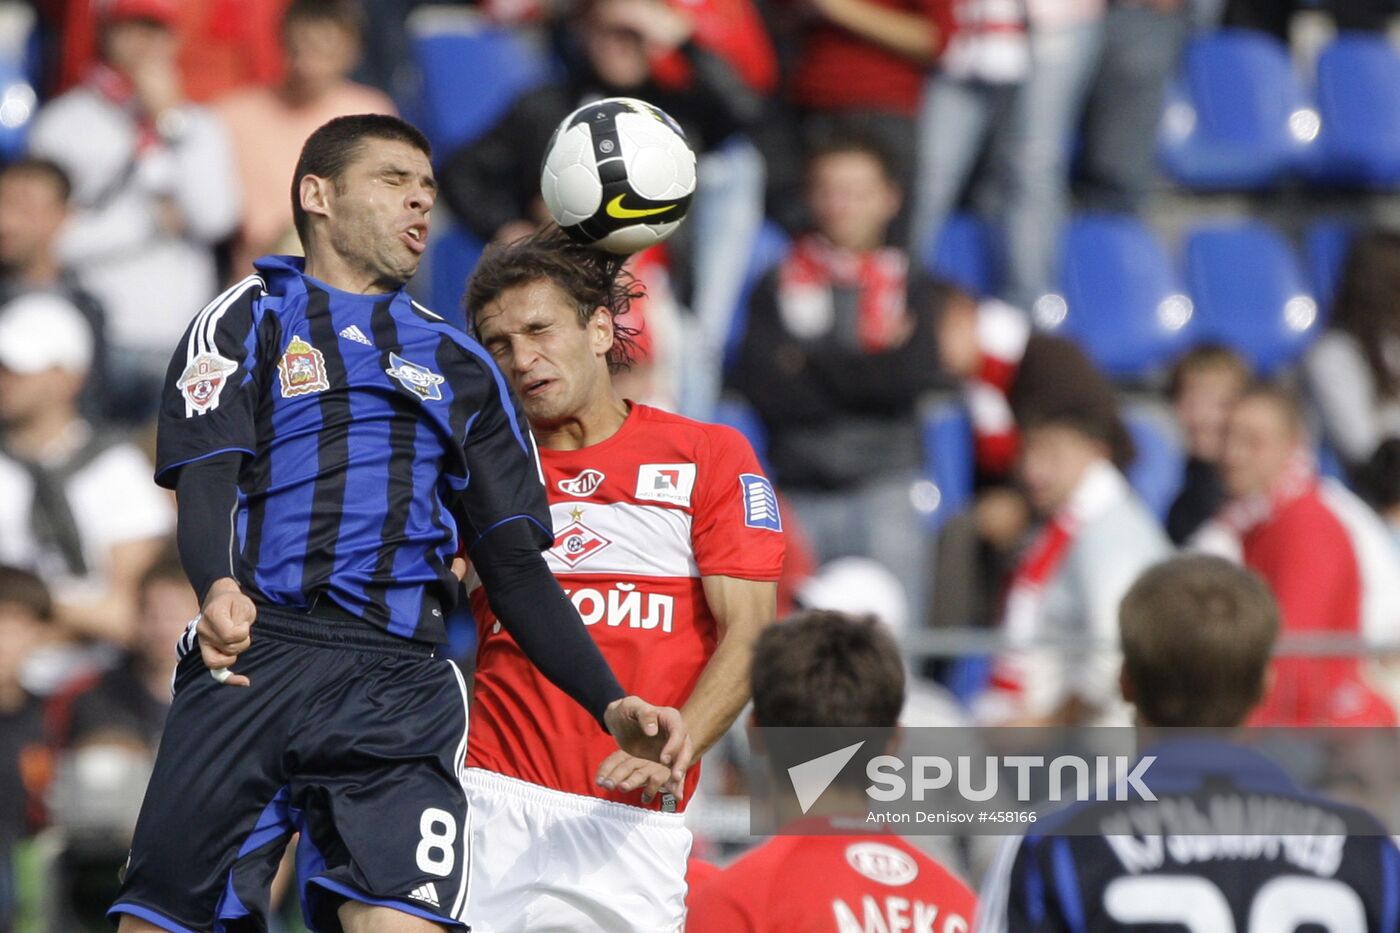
77 507
154 189
34 195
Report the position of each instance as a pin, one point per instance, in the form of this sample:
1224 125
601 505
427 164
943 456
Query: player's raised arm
505 523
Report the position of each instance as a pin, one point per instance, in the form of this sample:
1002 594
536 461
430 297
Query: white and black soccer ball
618 174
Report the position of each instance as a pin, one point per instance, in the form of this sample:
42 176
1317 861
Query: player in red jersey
669 543
829 872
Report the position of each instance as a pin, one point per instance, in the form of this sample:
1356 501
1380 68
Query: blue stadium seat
950 459
1157 472
770 247
454 256
1123 303
472 72
1236 116
1249 293
1326 244
966 252
1358 99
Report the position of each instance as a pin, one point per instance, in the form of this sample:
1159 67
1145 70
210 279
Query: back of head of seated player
1197 634
826 670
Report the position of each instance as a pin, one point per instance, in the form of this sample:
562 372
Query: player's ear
315 192
601 331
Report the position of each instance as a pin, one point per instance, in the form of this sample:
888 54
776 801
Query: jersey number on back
1284 903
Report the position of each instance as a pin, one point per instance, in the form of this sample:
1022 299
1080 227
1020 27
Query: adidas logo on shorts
354 333
427 893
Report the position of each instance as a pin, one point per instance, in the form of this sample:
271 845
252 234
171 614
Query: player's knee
367 918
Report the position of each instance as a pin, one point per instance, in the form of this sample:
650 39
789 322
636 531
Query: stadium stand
1358 99
1237 116
1249 292
1123 303
966 252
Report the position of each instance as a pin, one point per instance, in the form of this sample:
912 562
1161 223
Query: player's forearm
721 693
207 498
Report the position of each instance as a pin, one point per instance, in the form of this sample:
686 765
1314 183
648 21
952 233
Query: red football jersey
833 884
638 520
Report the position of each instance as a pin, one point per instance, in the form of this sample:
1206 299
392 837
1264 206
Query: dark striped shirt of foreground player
331 443
1226 846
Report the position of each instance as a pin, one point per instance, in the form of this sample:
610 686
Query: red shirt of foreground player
638 520
833 884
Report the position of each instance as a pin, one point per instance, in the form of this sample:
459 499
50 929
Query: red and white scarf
881 277
1100 489
119 91
1002 332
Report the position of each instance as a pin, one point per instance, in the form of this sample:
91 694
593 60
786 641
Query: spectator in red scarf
1297 534
1095 537
153 190
839 346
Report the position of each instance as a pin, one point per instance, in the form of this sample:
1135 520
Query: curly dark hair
591 278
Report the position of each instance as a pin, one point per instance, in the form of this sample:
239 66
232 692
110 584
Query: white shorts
545 860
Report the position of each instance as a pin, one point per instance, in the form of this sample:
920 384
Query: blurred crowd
157 164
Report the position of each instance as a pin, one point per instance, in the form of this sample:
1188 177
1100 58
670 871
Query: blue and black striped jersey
1230 844
374 438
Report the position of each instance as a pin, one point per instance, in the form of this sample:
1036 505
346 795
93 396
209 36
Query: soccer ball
618 174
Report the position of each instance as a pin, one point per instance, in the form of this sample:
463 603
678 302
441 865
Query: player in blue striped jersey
331 443
1231 843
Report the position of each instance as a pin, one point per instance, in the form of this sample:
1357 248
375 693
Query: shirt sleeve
738 528
504 480
212 386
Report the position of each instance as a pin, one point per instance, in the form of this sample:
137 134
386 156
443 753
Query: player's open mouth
536 387
416 237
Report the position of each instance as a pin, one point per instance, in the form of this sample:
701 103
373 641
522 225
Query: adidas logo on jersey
427 893
354 333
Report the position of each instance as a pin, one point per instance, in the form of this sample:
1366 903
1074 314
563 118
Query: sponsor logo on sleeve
420 380
760 502
302 369
671 483
202 382
583 485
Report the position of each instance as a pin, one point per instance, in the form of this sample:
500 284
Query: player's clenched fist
226 630
656 733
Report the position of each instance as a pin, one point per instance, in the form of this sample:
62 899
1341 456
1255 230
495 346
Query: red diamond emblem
576 542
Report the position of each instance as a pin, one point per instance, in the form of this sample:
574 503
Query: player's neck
598 421
834 803
328 266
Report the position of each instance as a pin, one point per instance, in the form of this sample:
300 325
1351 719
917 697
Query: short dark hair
46 168
591 278
1197 634
23 588
821 668
330 150
1206 357
851 141
344 13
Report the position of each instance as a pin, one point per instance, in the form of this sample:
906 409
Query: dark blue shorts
348 735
